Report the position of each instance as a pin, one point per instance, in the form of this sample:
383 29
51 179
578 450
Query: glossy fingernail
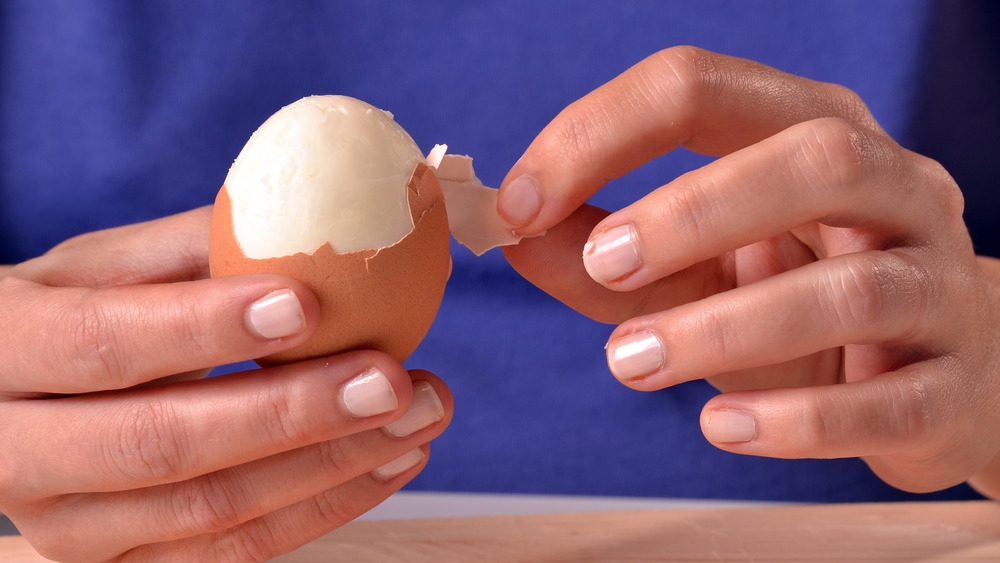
399 465
520 201
727 426
425 409
368 394
634 356
612 254
277 315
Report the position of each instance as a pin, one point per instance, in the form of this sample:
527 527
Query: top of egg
356 149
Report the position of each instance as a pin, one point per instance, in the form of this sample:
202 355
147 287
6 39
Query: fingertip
520 202
430 405
369 393
636 358
405 464
611 255
728 426
440 387
280 312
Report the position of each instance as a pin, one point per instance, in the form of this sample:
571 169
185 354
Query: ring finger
221 500
853 298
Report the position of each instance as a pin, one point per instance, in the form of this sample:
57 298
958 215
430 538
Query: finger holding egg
333 192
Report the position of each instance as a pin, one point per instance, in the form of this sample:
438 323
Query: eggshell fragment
384 299
472 207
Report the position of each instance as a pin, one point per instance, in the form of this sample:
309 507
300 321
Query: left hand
817 272
113 447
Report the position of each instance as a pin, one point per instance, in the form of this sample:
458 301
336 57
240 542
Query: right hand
116 449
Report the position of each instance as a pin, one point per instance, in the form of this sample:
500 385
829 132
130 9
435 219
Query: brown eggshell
371 299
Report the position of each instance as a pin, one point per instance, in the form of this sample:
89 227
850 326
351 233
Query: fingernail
731 426
399 465
635 355
612 254
276 315
368 394
425 409
520 201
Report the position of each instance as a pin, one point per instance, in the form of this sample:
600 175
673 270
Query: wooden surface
925 532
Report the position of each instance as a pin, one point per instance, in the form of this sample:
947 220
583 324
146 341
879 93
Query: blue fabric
115 112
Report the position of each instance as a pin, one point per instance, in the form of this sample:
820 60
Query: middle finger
145 437
826 170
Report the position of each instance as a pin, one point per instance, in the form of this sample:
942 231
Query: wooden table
925 532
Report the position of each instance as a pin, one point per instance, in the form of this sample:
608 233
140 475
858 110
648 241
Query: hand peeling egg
333 192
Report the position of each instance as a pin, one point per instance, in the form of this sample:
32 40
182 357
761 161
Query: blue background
116 112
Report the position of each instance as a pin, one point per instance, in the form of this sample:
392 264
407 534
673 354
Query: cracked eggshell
369 299
384 299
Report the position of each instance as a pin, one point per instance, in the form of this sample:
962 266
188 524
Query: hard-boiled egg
333 192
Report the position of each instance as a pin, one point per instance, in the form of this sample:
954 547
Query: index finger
78 340
682 96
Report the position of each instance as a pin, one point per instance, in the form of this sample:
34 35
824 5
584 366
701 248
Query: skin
116 449
817 273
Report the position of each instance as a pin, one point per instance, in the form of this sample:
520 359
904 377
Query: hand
817 272
115 449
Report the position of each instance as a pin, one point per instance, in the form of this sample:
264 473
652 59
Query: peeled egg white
333 192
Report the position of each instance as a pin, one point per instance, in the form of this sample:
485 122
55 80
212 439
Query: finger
553 263
75 340
167 434
856 298
681 96
825 170
894 416
170 249
287 529
216 502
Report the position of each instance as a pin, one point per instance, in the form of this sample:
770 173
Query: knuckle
910 413
149 445
691 212
848 104
689 67
254 544
679 76
885 293
332 508
897 412
690 73
715 337
285 425
334 459
818 431
206 505
574 137
860 294
950 196
93 346
830 154
189 331
877 292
